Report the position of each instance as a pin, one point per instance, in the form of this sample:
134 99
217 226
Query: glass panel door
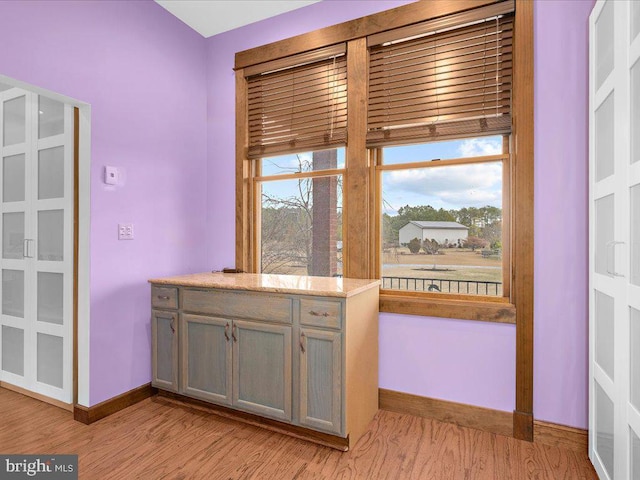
614 212
14 173
52 224
36 236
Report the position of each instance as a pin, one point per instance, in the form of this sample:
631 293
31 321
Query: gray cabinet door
206 358
164 350
262 368
321 379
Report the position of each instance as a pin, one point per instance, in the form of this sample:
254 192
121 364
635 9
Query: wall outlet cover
125 231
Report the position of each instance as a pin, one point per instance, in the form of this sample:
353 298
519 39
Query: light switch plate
125 231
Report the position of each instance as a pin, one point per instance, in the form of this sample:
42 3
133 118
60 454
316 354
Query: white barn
439 231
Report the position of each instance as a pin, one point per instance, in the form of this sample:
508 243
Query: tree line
484 223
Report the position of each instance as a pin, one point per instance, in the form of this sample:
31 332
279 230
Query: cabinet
164 350
320 383
262 368
304 360
206 358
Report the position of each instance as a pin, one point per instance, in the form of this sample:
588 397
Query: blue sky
448 187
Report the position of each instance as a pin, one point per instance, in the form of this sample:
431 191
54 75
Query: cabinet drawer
321 312
164 297
238 305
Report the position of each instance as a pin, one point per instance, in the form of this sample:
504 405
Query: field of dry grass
447 256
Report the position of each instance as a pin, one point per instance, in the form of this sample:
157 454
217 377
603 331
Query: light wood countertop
295 284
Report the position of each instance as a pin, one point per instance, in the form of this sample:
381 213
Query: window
388 156
300 214
442 218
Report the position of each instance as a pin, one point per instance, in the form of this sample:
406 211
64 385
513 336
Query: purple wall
462 361
147 77
144 74
561 213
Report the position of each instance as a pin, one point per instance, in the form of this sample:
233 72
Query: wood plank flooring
158 439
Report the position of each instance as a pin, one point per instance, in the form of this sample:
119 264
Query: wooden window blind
299 104
445 78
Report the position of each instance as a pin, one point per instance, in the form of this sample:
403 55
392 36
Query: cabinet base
326 439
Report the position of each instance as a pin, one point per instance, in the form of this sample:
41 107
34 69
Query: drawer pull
226 331
313 313
302 349
163 297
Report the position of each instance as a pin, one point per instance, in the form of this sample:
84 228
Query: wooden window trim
521 173
523 210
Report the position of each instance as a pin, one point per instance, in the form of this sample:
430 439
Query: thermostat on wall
111 175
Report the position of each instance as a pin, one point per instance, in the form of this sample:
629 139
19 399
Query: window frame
399 301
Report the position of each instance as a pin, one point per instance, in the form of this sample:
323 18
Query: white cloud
456 186
475 147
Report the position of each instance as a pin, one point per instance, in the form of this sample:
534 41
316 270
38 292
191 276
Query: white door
614 236
36 232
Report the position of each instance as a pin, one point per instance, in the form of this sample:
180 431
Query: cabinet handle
226 331
233 333
173 329
318 314
302 349
163 297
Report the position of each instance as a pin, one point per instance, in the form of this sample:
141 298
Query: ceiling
210 17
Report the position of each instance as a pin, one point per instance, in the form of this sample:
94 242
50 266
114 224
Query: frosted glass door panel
50 118
12 235
51 173
13 293
604 429
50 295
50 366
14 121
635 454
13 350
604 139
634 340
635 111
604 44
50 235
604 234
635 23
604 333
13 178
634 256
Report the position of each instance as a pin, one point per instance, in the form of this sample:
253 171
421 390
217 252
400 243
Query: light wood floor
157 439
